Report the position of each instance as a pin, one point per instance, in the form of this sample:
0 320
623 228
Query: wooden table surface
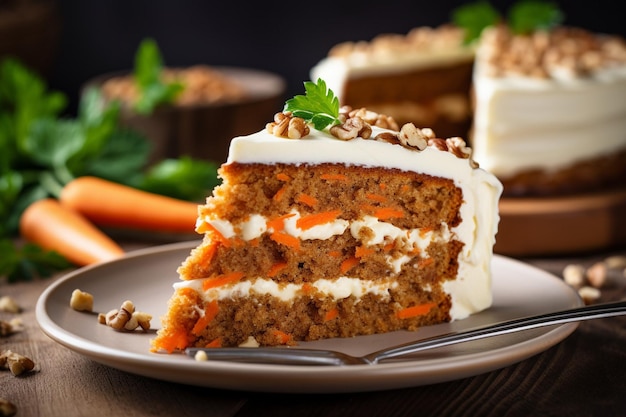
584 375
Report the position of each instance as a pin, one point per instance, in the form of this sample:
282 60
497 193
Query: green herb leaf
529 15
183 178
148 71
319 106
29 262
475 17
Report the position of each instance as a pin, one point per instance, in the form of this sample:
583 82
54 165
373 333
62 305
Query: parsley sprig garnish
319 106
523 17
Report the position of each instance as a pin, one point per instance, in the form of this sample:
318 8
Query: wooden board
561 225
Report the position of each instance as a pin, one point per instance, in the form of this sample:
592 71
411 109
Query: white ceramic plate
146 278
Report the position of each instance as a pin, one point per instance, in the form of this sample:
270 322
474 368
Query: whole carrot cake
335 223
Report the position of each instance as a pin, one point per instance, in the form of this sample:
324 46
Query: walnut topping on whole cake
421 39
564 52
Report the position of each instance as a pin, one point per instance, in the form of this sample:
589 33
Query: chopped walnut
597 274
285 125
352 128
16 363
81 301
412 137
562 52
371 117
7 328
126 318
7 408
9 305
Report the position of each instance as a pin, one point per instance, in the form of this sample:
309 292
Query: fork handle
560 317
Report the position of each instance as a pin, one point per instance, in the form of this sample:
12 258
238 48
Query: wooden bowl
204 131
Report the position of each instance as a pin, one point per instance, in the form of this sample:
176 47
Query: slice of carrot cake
335 223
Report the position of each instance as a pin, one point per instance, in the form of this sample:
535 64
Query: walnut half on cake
335 228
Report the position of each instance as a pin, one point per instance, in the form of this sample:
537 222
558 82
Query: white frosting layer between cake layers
523 124
471 291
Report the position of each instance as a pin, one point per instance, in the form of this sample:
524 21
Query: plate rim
392 375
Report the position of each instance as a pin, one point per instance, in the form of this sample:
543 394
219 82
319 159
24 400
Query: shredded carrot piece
331 314
175 340
307 199
307 288
187 292
220 280
376 197
424 231
388 213
276 268
383 213
285 239
423 263
210 311
339 177
283 338
415 311
382 186
278 224
216 235
389 246
362 251
282 177
348 264
254 242
215 343
311 220
334 253
405 188
279 194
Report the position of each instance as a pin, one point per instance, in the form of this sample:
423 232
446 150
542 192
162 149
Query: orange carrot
220 280
176 339
285 239
388 213
54 227
214 343
311 220
415 311
216 235
348 264
110 204
282 177
362 251
283 338
376 197
307 199
210 311
276 268
307 288
331 314
278 224
423 263
279 194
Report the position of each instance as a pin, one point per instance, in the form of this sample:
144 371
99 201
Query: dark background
286 38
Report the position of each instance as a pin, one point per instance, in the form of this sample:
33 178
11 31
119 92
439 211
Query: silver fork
290 356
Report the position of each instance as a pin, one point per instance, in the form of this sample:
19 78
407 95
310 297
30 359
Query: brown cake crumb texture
418 201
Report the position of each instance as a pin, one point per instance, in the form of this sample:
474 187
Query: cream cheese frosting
547 101
470 293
